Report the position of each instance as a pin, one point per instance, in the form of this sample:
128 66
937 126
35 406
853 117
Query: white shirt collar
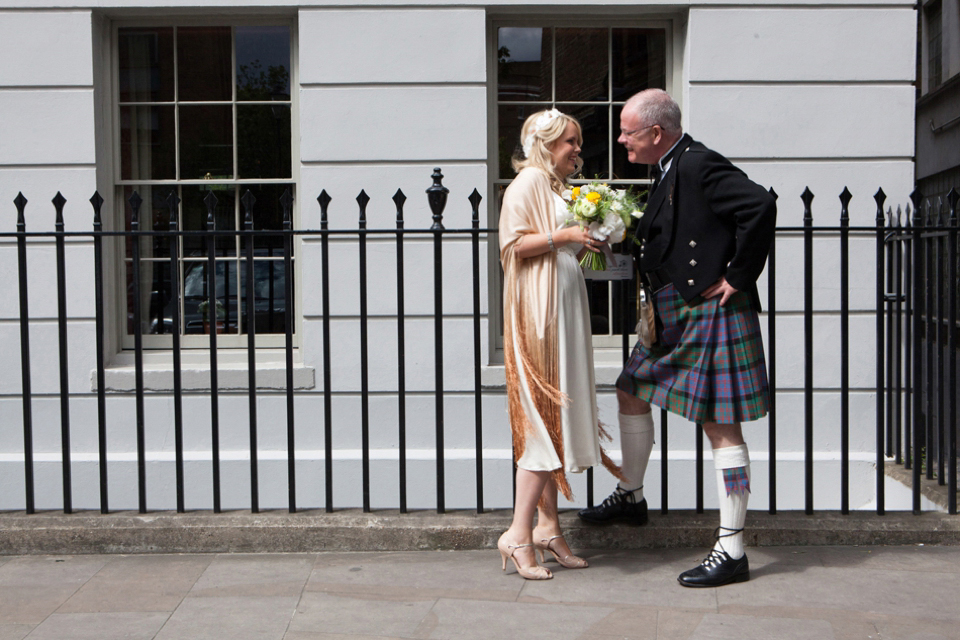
666 167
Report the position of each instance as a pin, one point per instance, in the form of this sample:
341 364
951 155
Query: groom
705 236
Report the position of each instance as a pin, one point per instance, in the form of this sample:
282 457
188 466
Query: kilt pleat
708 365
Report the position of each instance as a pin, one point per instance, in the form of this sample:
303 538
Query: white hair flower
539 125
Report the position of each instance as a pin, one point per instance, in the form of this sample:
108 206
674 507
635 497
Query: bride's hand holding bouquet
606 215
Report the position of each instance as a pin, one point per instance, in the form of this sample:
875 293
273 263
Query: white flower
567 194
583 208
613 228
636 213
594 229
539 124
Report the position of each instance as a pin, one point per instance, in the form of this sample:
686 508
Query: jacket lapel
655 204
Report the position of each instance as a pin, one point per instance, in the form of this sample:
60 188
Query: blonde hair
543 138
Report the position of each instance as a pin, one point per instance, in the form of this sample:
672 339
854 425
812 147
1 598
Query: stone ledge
932 490
388 530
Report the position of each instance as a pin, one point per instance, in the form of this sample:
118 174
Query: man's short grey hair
655 106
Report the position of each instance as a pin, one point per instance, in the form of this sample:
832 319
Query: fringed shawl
530 312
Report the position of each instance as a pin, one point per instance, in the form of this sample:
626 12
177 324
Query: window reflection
243 130
206 142
263 63
587 72
204 62
582 64
146 65
263 141
523 64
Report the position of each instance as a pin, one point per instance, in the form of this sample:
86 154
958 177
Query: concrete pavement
817 593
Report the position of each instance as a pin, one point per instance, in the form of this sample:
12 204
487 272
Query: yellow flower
576 192
593 197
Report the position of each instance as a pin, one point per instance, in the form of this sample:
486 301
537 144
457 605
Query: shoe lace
719 536
714 558
620 496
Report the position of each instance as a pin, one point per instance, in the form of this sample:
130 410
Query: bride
548 351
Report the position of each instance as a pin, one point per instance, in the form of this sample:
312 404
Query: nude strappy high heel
569 561
535 572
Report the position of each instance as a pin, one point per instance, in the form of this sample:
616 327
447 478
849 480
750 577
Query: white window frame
607 349
269 346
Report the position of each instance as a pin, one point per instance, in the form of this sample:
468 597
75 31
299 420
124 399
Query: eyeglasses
630 133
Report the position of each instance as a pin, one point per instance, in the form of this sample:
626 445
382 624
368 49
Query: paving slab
481 620
15 631
466 574
100 626
254 575
900 593
716 626
355 614
139 583
230 618
33 587
642 577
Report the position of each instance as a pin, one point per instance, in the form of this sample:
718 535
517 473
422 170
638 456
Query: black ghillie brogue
718 568
620 506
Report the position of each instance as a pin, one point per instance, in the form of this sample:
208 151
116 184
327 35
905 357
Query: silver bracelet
550 241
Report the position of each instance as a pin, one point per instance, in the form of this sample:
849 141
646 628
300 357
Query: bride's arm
535 244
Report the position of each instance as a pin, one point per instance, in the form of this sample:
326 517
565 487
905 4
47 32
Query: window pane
523 64
639 61
263 63
197 315
510 121
206 142
269 294
622 168
154 216
147 143
267 215
204 63
154 296
146 64
595 152
582 64
194 218
263 141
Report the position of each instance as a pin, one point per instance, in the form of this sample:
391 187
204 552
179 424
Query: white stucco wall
798 96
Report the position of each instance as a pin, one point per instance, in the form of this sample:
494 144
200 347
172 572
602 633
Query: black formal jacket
706 219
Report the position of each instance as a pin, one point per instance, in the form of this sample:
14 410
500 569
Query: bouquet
605 213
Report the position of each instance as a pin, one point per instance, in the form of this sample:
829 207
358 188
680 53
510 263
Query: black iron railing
915 318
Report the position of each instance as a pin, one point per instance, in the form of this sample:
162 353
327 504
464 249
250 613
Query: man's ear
657 134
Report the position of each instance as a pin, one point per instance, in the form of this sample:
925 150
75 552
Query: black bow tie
657 175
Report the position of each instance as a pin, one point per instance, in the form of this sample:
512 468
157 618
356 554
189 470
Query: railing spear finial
880 197
953 196
135 203
845 197
248 200
97 201
362 200
21 204
211 201
807 197
399 199
58 202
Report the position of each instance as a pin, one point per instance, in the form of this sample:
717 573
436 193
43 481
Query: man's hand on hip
720 288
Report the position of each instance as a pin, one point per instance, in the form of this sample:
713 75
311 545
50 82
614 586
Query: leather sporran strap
646 316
